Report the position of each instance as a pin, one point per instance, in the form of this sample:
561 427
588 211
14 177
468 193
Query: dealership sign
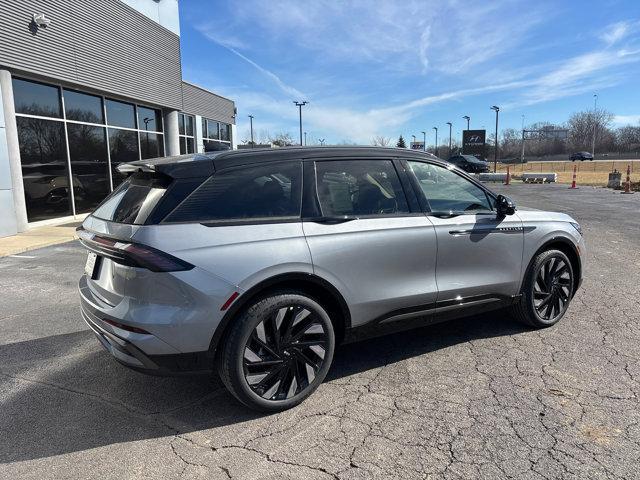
416 145
473 142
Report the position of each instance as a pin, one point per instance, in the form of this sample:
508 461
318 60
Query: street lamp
495 153
251 129
414 141
305 139
321 140
436 129
468 119
450 126
424 141
300 105
593 142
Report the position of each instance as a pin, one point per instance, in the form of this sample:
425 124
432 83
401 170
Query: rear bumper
120 343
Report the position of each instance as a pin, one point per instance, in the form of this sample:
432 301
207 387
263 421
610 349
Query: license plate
90 266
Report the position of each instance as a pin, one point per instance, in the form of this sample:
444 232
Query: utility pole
251 127
424 141
305 139
450 126
414 141
436 129
300 105
495 153
595 110
468 119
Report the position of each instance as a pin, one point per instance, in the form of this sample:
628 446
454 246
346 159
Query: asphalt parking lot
476 398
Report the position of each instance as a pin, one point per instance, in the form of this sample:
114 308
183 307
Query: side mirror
505 206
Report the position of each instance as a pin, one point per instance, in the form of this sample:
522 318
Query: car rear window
134 200
254 193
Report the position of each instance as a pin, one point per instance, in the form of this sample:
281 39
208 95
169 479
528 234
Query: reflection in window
123 148
44 168
151 145
225 133
120 114
149 119
88 153
35 98
82 107
188 129
186 145
212 130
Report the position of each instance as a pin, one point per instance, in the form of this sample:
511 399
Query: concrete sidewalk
37 238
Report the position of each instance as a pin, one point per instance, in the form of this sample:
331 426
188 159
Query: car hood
530 214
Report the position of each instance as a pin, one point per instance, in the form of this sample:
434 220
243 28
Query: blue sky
389 68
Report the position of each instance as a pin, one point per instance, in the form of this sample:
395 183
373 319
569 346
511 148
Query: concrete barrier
539 177
492 177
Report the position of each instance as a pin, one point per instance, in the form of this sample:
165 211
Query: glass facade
187 134
98 131
215 135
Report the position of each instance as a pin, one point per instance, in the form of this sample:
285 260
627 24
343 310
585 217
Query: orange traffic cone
627 184
508 180
573 182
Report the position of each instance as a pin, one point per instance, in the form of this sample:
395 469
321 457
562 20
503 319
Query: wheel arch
567 247
316 287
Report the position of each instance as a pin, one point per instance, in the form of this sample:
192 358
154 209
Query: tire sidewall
257 312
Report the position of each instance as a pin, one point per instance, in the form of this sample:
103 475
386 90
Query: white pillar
198 132
171 133
234 137
9 136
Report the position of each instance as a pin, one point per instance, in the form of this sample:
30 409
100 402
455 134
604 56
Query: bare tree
283 139
380 141
582 126
628 138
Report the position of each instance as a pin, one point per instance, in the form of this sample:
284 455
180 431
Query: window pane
35 98
214 146
181 118
43 155
204 128
270 191
151 145
89 169
123 148
183 146
188 125
149 119
190 145
447 191
212 130
82 107
225 132
363 187
120 114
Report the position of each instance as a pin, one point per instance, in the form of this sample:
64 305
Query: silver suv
260 262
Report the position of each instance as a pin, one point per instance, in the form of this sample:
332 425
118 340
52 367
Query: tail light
131 254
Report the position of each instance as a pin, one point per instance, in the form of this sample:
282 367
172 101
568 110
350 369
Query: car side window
448 192
263 192
359 188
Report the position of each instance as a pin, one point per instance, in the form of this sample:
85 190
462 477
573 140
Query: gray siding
199 101
104 45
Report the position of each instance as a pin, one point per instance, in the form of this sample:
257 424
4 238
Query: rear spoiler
182 166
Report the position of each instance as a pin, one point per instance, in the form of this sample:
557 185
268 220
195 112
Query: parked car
581 156
258 263
469 163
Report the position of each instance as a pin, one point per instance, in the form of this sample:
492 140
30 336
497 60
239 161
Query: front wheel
277 352
547 290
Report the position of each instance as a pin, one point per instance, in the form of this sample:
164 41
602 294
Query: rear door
369 239
479 255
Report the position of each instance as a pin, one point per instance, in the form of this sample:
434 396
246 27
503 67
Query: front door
369 244
479 257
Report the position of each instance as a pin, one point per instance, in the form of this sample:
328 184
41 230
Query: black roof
204 164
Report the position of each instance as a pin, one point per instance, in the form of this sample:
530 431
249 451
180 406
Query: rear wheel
547 290
277 352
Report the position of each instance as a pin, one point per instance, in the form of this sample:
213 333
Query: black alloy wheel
284 353
552 288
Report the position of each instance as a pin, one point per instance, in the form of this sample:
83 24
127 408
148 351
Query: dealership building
84 87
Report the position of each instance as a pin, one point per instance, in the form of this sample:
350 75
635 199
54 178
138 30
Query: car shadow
62 393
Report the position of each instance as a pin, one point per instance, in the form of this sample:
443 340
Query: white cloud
623 120
615 32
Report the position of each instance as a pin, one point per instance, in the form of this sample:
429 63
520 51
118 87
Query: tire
275 354
546 294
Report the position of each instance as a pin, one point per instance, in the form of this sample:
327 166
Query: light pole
414 141
450 126
436 129
595 107
305 139
495 153
321 140
251 129
424 141
300 105
468 119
